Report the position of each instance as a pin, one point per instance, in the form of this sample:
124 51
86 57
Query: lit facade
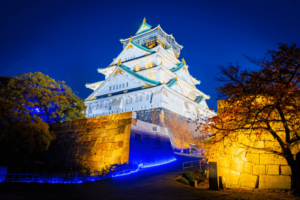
147 74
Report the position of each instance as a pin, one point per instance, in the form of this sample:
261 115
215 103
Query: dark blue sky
68 40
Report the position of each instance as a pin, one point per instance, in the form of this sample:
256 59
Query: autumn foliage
29 103
265 101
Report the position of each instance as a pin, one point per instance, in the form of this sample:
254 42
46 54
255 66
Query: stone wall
182 131
245 167
92 143
147 136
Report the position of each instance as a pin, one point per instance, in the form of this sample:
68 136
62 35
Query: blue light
147 166
163 163
131 172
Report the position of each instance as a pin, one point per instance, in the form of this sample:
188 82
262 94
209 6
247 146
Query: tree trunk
293 164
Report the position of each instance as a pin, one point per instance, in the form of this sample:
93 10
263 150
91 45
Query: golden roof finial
119 63
144 20
137 68
183 61
130 39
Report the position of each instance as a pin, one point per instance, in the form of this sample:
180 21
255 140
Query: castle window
129 100
120 86
147 97
140 98
113 87
109 88
127 84
123 85
136 98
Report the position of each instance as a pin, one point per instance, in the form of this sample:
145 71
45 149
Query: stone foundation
251 168
147 137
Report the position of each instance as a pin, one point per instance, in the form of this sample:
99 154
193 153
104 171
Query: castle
147 74
140 113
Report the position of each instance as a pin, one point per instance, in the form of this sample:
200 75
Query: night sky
69 40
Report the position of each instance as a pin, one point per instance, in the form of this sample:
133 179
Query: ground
154 183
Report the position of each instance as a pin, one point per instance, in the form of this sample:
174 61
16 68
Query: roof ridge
179 67
127 69
141 47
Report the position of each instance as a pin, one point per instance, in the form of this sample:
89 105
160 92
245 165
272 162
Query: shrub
190 176
183 180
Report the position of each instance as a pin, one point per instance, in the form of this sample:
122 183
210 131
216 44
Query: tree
29 103
258 102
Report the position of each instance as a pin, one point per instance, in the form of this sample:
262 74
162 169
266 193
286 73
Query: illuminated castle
147 74
140 113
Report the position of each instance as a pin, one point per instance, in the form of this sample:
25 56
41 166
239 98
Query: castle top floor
149 37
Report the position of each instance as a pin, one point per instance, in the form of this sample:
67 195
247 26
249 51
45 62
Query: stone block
115 124
98 131
295 148
126 115
113 146
231 177
126 142
230 149
237 164
273 169
285 170
113 131
258 144
102 140
119 137
253 138
107 159
249 181
111 139
127 128
100 146
266 136
117 160
259 169
124 159
225 161
94 137
124 122
248 167
107 153
101 135
222 171
254 158
120 144
244 140
240 152
270 159
99 151
274 182
92 144
117 152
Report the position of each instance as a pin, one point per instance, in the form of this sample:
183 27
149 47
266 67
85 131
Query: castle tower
147 74
140 113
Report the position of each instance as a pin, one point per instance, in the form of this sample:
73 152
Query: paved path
150 184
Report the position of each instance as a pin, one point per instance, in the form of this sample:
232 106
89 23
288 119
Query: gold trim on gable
119 71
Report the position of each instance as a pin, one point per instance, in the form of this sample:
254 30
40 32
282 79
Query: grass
183 180
189 176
